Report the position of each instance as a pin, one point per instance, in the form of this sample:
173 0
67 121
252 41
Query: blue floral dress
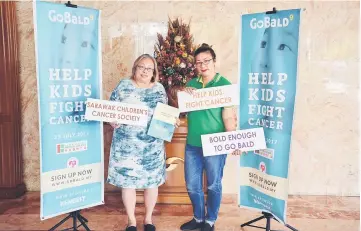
136 159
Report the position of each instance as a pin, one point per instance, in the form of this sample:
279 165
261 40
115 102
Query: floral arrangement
174 55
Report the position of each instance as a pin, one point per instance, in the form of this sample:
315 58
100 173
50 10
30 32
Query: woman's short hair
138 60
205 48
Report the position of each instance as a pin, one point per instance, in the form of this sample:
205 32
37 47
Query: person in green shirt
203 122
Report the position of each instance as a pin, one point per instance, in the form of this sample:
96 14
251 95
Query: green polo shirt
205 121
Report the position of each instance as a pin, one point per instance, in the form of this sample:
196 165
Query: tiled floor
306 213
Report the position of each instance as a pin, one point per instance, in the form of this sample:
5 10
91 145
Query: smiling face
144 71
205 64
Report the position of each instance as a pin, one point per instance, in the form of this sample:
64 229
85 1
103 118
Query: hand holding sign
115 125
177 122
190 90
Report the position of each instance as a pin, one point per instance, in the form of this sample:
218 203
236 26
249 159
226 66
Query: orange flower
177 61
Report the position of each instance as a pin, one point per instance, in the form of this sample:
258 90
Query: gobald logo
67 17
267 22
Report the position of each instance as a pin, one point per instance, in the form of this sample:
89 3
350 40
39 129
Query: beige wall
324 153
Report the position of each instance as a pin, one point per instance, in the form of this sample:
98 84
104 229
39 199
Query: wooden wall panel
11 174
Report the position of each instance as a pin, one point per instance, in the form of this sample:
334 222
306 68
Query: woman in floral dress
137 161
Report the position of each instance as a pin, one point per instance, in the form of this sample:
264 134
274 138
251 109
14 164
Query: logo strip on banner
268 73
68 66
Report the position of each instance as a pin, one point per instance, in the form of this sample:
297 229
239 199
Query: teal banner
268 68
68 62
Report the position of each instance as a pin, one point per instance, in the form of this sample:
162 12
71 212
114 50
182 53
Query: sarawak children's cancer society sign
68 72
111 111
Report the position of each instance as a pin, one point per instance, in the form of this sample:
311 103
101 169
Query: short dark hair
205 48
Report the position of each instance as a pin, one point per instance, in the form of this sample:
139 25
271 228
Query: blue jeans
194 165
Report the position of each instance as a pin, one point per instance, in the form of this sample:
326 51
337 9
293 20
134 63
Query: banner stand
76 216
68 4
268 217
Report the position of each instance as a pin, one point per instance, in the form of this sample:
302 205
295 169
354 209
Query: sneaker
207 227
192 225
131 228
149 227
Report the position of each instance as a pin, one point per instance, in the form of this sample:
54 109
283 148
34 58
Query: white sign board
207 98
110 111
226 142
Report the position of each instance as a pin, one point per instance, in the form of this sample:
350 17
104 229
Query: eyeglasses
205 62
148 69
